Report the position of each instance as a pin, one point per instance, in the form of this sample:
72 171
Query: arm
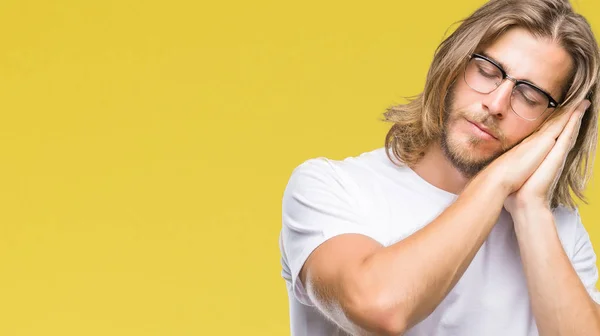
365 287
560 301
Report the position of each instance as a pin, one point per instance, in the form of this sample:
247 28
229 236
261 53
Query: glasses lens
482 76
528 102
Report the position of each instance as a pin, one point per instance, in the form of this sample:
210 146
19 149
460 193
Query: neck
436 169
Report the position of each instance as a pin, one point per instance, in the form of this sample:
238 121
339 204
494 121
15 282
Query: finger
545 139
567 138
553 164
555 127
557 156
550 130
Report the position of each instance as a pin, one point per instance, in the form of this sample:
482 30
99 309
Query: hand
538 188
514 167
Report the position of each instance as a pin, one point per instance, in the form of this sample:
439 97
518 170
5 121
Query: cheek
463 96
517 130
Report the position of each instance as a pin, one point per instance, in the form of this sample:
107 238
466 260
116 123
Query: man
464 224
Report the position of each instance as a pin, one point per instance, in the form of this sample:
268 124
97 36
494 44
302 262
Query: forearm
409 279
560 302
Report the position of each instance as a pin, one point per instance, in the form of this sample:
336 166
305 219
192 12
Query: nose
497 102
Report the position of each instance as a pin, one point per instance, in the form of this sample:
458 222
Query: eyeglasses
527 100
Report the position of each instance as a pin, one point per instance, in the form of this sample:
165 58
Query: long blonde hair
419 122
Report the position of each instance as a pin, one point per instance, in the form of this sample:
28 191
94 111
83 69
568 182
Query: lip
483 129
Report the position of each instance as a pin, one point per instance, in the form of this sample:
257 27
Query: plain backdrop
145 147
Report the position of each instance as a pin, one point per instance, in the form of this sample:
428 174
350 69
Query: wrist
532 218
528 206
495 181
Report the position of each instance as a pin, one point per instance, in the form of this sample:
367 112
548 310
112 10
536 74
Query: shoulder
569 227
326 196
578 246
346 173
565 217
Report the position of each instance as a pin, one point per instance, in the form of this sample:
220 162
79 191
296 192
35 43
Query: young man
464 224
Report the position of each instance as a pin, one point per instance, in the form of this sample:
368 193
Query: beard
467 161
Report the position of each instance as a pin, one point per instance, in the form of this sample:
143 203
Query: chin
468 155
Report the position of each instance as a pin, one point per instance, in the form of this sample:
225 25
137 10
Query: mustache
484 119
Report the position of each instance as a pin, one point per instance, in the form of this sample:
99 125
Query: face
523 56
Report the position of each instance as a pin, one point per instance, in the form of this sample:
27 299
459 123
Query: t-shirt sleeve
584 260
319 203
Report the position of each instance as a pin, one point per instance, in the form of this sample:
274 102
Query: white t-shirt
370 195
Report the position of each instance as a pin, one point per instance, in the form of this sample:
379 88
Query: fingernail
586 104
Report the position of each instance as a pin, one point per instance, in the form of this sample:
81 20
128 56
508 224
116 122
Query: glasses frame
552 103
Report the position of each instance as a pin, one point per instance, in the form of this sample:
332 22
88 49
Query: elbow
377 316
375 310
390 324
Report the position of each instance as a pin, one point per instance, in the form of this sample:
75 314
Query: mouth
482 130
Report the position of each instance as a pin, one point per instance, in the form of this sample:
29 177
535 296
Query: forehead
538 60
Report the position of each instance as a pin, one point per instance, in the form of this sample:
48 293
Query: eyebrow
505 70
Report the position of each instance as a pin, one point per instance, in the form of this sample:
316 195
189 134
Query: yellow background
145 147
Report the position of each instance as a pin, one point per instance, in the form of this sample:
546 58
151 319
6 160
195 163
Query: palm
539 187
